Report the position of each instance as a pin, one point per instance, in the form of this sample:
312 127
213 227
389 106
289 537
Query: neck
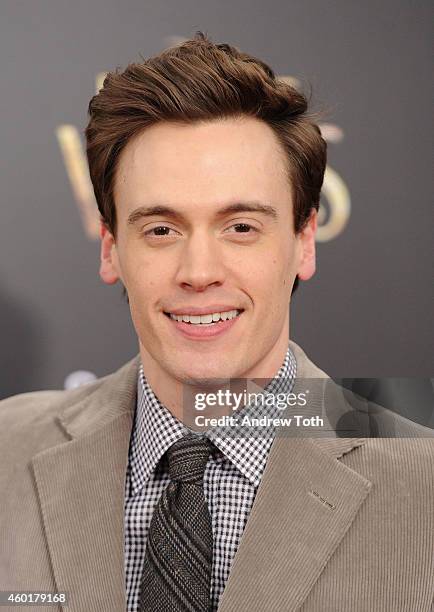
175 394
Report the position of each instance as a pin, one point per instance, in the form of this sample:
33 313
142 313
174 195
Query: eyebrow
166 211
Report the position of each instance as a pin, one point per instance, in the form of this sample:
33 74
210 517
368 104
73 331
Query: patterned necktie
178 558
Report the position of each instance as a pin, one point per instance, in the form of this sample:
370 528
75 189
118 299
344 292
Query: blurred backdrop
366 313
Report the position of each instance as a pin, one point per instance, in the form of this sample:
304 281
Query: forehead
203 162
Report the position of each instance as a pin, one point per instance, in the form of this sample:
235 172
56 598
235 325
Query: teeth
206 319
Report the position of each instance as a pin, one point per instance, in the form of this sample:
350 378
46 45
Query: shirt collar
155 429
247 446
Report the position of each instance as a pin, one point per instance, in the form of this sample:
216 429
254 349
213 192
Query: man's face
194 255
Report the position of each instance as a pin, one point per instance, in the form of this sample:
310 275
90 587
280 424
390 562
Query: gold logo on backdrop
334 209
74 158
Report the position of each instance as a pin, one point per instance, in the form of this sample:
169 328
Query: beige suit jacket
338 524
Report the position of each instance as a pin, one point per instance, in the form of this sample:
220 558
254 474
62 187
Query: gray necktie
176 573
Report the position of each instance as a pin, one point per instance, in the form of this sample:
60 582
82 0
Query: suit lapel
81 486
305 504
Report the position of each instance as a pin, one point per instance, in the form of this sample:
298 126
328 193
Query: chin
205 375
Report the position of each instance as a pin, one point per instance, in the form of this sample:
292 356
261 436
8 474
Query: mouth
207 319
204 326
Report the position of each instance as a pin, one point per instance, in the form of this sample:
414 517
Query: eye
244 228
160 230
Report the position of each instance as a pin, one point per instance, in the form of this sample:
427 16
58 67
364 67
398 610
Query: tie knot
188 458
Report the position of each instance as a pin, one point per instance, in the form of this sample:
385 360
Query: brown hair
199 81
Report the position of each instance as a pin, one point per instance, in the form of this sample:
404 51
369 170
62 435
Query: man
207 171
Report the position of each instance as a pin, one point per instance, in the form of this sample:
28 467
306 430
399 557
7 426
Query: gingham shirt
231 478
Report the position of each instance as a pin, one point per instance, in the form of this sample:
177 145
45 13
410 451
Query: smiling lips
205 324
210 317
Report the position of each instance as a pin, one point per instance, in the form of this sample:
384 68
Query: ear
109 267
307 265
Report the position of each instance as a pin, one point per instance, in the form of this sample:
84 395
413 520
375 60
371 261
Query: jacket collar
96 404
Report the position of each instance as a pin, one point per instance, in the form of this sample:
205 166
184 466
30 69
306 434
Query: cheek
278 279
271 286
139 273
280 269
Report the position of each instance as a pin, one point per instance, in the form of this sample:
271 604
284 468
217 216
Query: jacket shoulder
30 423
36 421
38 407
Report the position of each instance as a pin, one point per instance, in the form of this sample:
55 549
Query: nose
201 262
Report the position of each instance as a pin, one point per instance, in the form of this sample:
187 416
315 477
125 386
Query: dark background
367 311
